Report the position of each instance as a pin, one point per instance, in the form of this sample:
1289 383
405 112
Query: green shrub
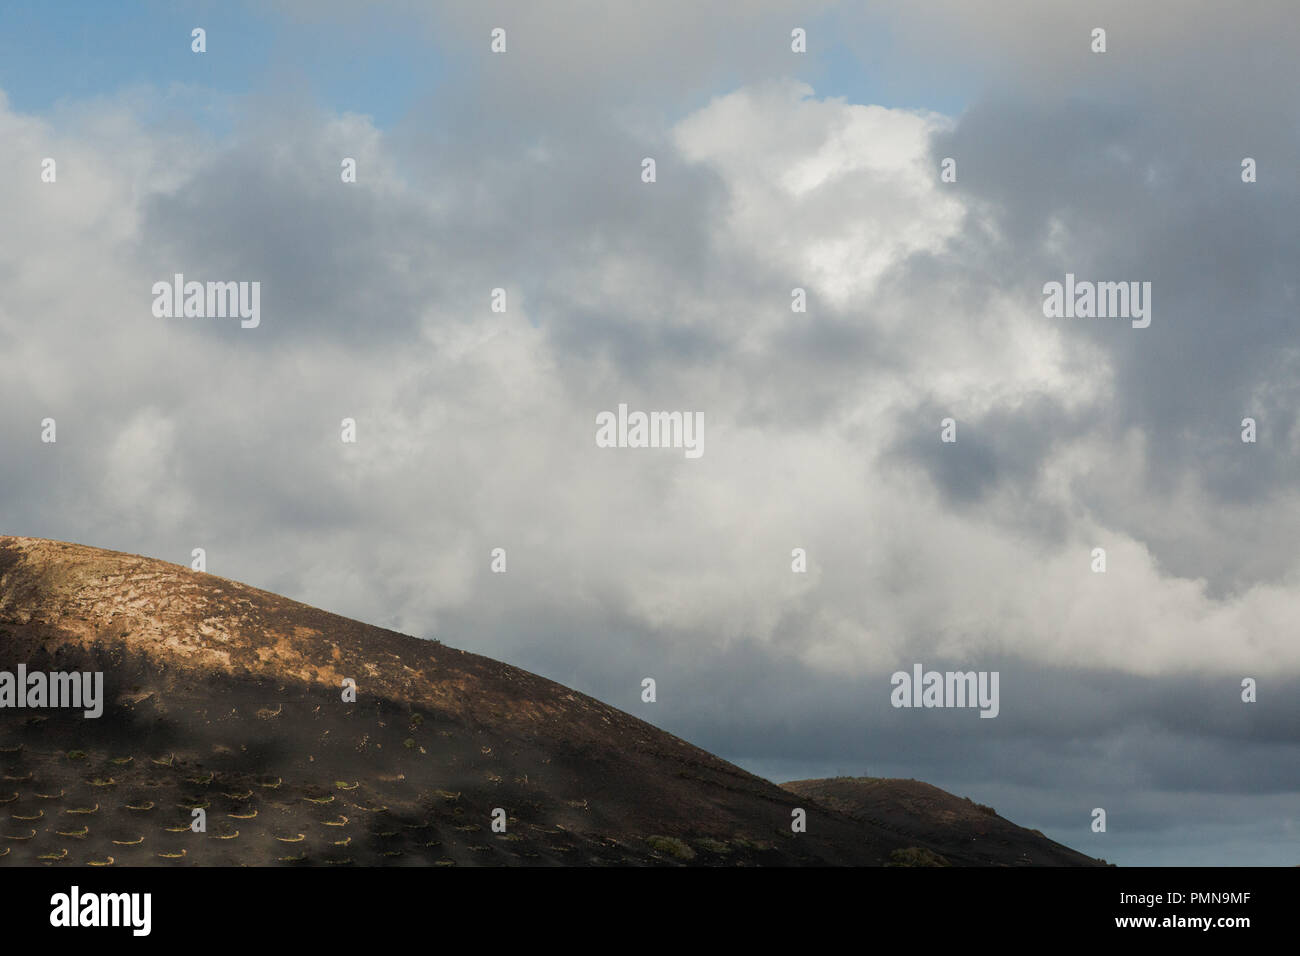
713 846
677 849
916 856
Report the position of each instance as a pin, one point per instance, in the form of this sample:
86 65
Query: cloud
842 198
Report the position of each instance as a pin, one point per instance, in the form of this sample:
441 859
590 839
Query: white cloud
831 193
477 430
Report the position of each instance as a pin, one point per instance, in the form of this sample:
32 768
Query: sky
774 171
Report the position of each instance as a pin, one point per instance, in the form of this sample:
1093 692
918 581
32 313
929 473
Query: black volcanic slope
222 697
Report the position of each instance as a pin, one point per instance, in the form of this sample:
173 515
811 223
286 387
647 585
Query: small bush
678 849
916 856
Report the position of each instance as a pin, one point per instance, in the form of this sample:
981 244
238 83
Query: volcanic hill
962 832
227 699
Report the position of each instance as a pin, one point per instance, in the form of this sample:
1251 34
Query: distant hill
228 699
960 831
